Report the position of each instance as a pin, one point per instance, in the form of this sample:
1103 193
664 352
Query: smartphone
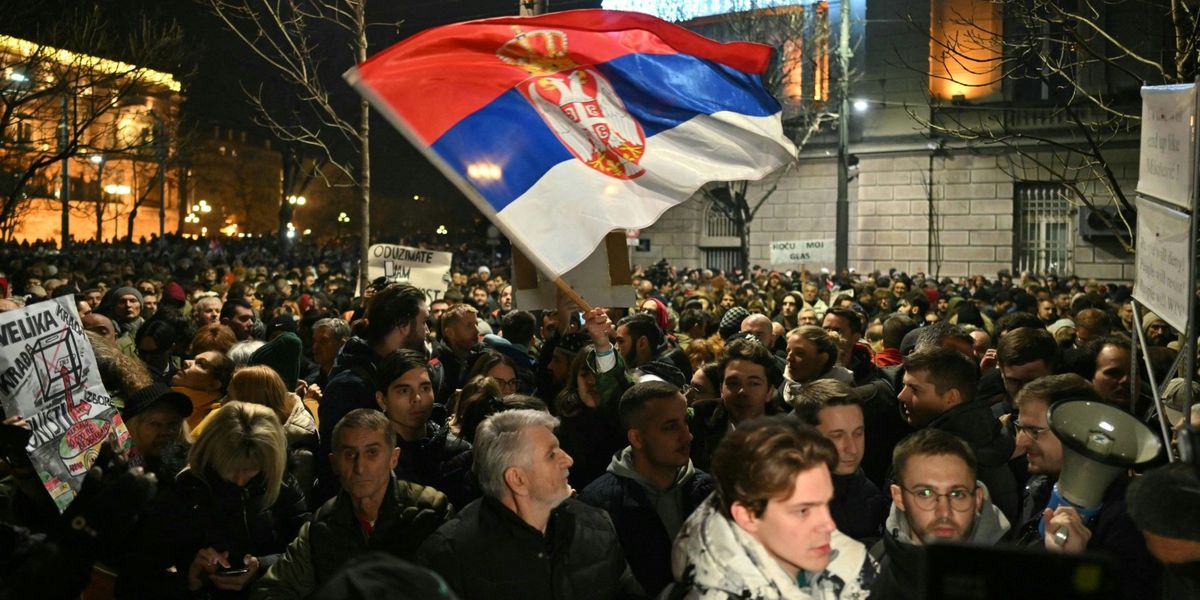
232 571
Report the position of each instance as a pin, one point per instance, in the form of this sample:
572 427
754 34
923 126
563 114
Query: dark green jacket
410 513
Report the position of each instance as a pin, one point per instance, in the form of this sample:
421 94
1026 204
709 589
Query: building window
717 224
725 259
965 49
820 59
1043 229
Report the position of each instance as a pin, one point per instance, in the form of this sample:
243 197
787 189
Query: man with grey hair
373 511
328 337
527 538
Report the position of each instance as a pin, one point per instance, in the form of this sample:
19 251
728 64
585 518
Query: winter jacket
488 553
900 558
714 559
195 514
637 509
974 424
408 515
858 507
590 436
1113 534
426 461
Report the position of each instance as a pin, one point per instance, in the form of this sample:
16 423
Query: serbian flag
565 126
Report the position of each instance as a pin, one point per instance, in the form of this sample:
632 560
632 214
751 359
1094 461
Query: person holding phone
231 512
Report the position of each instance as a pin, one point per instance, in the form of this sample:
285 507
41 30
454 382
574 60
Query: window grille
1043 229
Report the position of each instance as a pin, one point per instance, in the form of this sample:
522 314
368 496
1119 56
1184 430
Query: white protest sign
427 270
48 376
803 252
1166 168
1162 262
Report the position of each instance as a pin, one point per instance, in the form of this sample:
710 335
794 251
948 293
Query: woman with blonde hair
261 385
231 512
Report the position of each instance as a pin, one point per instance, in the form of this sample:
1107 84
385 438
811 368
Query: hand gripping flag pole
566 126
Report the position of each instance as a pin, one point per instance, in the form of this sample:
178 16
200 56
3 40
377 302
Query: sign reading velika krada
1167 161
48 376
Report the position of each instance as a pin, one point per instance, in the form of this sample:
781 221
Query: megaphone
1100 442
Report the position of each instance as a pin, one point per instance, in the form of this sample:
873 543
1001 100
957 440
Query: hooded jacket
646 518
714 559
900 558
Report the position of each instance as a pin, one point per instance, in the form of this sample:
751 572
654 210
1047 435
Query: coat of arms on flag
564 127
577 102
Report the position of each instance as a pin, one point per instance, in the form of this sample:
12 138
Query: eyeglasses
1032 431
508 383
960 499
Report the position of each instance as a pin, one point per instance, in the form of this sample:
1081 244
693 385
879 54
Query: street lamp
342 218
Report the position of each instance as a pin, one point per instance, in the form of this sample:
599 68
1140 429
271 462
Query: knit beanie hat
1164 500
731 322
282 354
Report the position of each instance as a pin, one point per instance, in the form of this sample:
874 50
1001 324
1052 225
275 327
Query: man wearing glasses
1111 531
936 498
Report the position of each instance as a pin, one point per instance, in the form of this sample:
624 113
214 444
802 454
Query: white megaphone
1100 442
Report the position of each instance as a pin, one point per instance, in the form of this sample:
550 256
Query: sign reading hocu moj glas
48 376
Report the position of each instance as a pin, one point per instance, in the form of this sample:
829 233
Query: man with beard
527 538
1112 378
936 498
640 342
396 318
238 315
651 486
939 391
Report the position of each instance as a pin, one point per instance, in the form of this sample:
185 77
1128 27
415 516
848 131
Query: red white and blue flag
566 126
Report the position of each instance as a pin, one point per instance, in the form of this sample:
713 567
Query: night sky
216 66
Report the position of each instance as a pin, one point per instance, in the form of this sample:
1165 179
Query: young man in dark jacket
526 538
373 512
404 392
651 487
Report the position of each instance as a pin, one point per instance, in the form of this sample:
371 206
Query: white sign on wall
803 252
1162 262
1166 167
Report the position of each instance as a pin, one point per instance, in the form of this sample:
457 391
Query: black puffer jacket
195 514
643 536
488 553
427 461
974 424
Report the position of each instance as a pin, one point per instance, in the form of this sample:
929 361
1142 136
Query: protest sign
1167 157
427 270
1162 260
48 376
803 252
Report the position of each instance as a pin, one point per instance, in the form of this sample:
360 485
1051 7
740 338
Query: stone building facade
918 203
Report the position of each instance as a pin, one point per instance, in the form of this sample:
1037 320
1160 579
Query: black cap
376 576
141 400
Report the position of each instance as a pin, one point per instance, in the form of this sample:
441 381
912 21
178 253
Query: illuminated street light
116 189
860 105
441 230
297 200
96 159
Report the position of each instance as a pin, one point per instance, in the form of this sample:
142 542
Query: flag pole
464 186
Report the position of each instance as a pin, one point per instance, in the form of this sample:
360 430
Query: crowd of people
746 434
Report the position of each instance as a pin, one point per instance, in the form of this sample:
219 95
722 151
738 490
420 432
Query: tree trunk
365 138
